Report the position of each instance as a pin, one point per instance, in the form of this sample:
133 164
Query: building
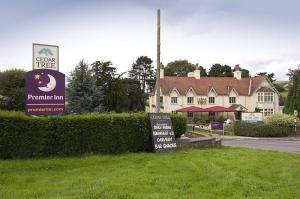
241 94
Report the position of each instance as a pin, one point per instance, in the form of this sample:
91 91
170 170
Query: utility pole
158 64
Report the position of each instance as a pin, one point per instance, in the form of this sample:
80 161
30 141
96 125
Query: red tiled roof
222 85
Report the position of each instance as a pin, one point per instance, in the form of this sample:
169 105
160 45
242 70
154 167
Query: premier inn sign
45 92
45 57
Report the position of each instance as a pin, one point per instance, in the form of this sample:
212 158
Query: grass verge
197 173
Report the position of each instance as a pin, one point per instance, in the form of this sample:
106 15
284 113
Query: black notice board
163 137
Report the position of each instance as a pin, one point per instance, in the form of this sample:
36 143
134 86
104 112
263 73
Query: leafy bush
221 119
280 119
22 136
261 130
228 129
179 124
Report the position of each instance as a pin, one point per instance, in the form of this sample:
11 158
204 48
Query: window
161 99
260 97
232 100
211 115
268 111
190 100
173 100
211 100
190 114
268 97
265 97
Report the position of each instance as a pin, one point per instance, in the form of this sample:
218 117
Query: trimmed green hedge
261 130
22 136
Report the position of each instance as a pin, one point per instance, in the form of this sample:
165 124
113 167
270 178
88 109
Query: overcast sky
260 35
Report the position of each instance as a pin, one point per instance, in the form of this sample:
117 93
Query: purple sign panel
45 92
217 126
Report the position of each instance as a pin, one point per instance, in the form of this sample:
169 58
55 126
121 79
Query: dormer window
190 100
232 100
211 100
173 100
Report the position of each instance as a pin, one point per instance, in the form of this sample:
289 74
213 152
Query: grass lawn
198 173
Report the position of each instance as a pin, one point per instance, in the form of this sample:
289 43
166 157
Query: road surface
275 144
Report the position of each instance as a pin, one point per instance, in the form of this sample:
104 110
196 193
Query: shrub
22 136
261 130
179 124
280 119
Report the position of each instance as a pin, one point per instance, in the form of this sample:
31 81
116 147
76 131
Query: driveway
291 145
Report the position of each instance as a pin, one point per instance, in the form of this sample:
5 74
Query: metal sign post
295 120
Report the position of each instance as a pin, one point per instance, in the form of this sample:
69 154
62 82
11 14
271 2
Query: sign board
45 57
217 126
295 113
255 118
163 137
45 92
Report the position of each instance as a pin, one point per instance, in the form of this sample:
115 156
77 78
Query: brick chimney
197 71
162 71
237 73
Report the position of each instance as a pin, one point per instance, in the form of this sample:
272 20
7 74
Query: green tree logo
46 51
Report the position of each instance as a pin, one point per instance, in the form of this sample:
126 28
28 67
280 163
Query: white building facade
242 94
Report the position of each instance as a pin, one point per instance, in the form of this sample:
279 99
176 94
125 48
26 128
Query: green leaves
22 136
12 90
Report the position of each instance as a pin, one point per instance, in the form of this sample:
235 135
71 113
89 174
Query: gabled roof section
232 89
174 89
211 89
190 89
256 81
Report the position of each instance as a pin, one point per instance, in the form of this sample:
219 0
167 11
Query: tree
12 90
218 70
143 71
270 76
292 101
82 93
179 68
136 97
245 73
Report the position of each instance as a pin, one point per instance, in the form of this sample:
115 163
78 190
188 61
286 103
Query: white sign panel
252 117
45 57
295 113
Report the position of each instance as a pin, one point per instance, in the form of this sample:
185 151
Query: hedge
261 130
22 136
284 120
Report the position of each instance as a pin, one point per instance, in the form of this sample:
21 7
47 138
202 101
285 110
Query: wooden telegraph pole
158 64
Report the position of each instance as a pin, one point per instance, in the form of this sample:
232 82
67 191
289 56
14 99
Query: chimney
237 73
197 71
162 68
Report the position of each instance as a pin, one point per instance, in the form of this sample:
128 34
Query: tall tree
218 70
136 97
270 76
104 74
12 90
181 68
143 71
82 93
292 101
